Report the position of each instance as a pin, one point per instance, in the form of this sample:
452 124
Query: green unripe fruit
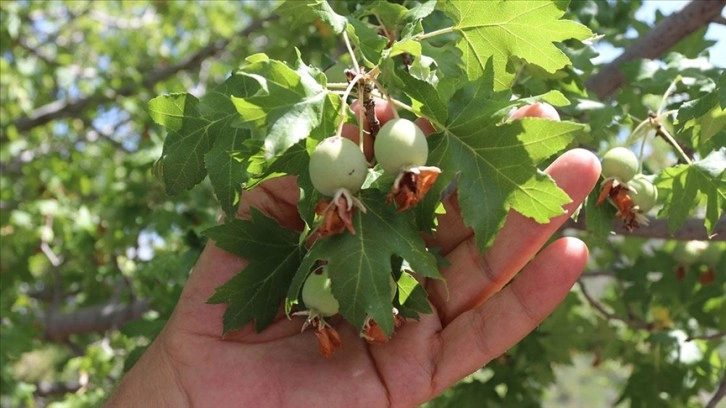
337 163
689 253
400 144
318 295
643 193
713 252
619 163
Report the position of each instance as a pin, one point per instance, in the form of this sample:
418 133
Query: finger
472 278
276 198
481 334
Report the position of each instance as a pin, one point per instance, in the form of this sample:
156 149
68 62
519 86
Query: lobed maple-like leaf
685 188
200 142
704 118
359 265
366 40
496 163
288 104
305 11
502 30
257 291
194 126
181 165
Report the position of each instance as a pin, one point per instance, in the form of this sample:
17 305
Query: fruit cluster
317 295
338 168
631 192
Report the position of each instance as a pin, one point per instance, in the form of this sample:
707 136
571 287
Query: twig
720 393
714 336
661 38
631 322
46 389
93 319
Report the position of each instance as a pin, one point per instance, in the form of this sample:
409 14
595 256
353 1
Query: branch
47 389
66 108
662 37
720 393
93 319
714 336
631 322
692 229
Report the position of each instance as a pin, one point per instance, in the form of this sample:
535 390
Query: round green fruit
643 193
620 163
713 253
337 163
689 253
317 293
400 144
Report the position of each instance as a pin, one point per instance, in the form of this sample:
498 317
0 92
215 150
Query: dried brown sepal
328 340
412 185
680 273
607 185
627 211
373 334
337 216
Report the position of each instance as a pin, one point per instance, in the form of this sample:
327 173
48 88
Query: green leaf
273 254
226 173
412 297
366 40
503 29
360 265
420 11
497 163
688 186
390 14
289 103
181 165
428 102
703 116
193 127
305 11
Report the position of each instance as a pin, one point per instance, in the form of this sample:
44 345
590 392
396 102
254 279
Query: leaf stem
431 34
344 99
672 141
337 85
666 94
350 51
642 144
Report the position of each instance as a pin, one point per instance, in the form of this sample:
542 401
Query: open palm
475 319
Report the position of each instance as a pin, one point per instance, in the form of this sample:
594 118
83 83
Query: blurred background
94 255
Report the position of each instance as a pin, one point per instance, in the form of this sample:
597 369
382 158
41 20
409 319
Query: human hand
475 319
